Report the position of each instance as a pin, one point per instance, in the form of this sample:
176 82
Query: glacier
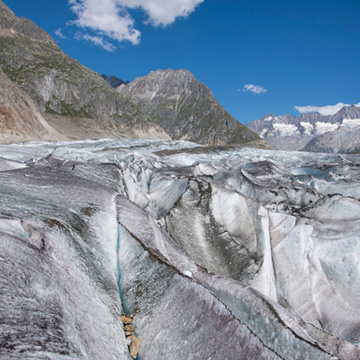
218 253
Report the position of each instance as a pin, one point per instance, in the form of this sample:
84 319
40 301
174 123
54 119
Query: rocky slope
20 118
312 131
185 108
62 86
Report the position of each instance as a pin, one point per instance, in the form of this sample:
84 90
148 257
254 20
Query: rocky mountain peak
173 83
268 117
174 74
348 112
114 81
185 108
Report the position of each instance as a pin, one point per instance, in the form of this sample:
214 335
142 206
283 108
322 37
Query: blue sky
256 56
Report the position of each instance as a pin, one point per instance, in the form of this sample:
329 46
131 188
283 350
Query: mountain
61 86
114 81
20 118
185 108
312 131
79 103
342 141
241 254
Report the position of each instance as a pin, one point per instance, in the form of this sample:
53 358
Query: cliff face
60 85
20 118
185 108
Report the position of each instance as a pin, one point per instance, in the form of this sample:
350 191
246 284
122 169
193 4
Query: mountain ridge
312 131
76 100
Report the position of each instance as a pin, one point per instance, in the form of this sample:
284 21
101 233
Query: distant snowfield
351 122
241 254
322 127
319 128
285 129
308 127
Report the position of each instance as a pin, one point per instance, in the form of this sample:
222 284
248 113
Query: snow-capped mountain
312 131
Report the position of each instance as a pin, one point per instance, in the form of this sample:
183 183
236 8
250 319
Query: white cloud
323 110
96 40
106 18
256 89
58 32
163 12
111 18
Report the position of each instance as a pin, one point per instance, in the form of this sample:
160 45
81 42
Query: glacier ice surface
219 254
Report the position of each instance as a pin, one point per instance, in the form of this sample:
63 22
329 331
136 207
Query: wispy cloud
58 32
111 19
323 110
96 40
256 89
